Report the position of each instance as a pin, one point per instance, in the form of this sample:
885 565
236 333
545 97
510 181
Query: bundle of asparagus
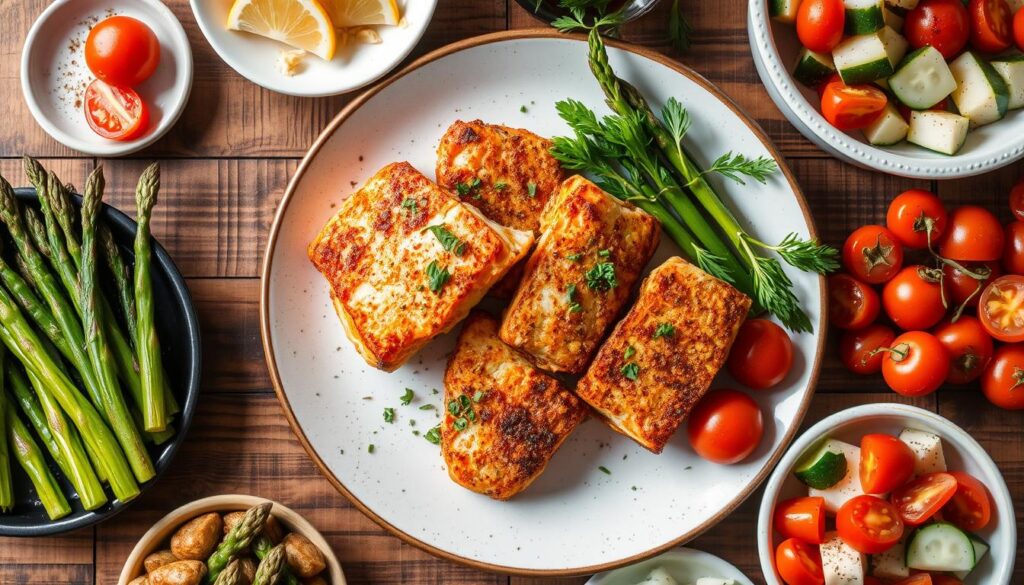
71 355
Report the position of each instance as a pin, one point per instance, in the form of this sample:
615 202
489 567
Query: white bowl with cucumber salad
983 557
948 145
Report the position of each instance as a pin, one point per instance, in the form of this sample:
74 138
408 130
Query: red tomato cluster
944 315
872 523
121 52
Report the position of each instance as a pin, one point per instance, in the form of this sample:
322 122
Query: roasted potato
158 559
272 529
304 558
142 580
248 567
197 538
180 572
232 518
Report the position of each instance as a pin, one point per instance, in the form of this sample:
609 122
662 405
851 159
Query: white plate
574 519
354 65
962 453
686 565
54 74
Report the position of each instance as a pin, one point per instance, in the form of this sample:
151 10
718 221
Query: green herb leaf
733 166
522 109
478 396
677 120
678 28
410 205
604 253
433 435
370 448
574 257
407 397
570 295
437 276
460 424
500 186
631 371
448 240
601 277
428 407
630 352
464 189
664 330
806 255
389 415
453 407
531 189
604 470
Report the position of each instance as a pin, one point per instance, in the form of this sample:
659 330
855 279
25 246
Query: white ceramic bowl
686 565
775 47
962 453
54 74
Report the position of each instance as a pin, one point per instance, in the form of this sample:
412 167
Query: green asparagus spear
122 278
6 485
151 368
28 455
232 574
261 547
29 404
237 539
271 567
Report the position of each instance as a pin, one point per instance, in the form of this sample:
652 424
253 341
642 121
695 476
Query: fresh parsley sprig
448 240
735 166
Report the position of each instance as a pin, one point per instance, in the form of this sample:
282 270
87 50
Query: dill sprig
735 166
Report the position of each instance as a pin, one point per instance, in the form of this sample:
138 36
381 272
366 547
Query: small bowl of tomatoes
916 88
886 493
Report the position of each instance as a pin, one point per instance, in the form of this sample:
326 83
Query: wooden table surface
226 164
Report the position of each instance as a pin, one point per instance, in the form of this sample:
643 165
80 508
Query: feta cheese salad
924 71
887 511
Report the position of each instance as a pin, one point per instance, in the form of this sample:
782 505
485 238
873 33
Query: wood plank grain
57 560
232 349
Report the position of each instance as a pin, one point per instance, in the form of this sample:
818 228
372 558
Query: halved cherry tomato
860 351
885 463
1017 191
918 579
869 524
991 28
971 506
852 303
799 563
725 426
974 234
762 354
872 254
945 580
852 107
1003 382
1013 250
961 287
802 518
913 298
916 364
1018 29
943 24
819 24
970 348
920 499
1001 308
122 51
914 214
114 112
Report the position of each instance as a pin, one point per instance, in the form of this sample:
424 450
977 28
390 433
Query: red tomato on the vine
860 351
914 214
916 364
872 254
974 234
960 286
1003 381
913 298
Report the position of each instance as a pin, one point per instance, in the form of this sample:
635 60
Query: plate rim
343 115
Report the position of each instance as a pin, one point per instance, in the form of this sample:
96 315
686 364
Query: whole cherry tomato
915 213
1001 308
1018 29
762 354
1013 249
725 426
970 348
799 563
920 499
802 518
1003 381
852 303
852 107
916 364
860 351
819 24
991 25
943 24
869 524
885 463
122 51
1017 192
971 506
873 254
974 234
960 286
913 298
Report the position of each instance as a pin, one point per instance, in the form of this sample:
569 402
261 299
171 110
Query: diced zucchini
981 94
892 564
841 564
922 79
895 45
940 546
823 467
927 450
943 132
849 486
893 19
890 128
864 16
813 68
865 58
783 10
1011 69
905 5
980 550
658 576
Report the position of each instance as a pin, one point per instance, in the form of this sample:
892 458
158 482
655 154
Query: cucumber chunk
824 467
783 10
940 546
849 485
922 79
840 563
864 16
813 68
865 58
890 128
892 564
981 94
1011 69
943 132
980 550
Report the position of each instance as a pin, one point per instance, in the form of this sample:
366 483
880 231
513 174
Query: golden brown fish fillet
661 358
504 418
507 173
386 268
590 254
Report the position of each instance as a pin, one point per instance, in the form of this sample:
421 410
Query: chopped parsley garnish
464 189
462 409
522 109
448 240
427 407
437 276
601 276
460 424
410 205
407 397
389 415
478 396
433 435
630 352
604 470
370 448
570 294
531 189
604 253
631 371
575 257
500 186
664 330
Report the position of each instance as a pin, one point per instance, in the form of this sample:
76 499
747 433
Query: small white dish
962 453
686 565
354 65
54 74
775 46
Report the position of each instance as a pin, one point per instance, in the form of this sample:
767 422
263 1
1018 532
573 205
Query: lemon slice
303 24
350 13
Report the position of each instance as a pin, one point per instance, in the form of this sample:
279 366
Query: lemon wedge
350 13
303 24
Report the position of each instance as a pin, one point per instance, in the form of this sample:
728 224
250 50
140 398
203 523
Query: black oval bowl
178 328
